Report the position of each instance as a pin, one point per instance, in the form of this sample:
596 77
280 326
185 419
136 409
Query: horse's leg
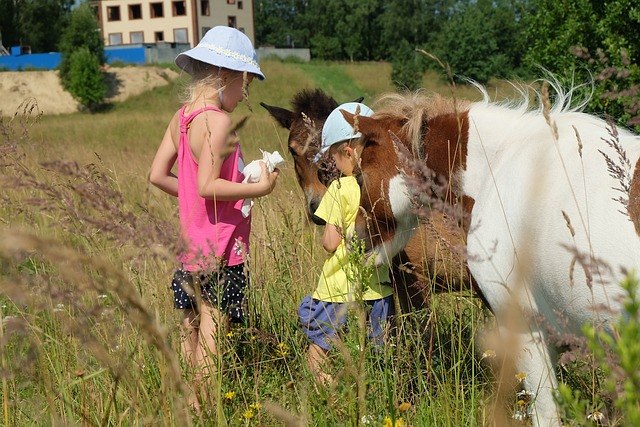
534 365
409 288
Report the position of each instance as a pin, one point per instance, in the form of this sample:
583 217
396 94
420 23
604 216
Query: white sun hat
223 47
337 129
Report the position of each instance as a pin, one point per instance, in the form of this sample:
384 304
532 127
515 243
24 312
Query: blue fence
139 54
41 61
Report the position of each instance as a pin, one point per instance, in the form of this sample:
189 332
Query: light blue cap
337 129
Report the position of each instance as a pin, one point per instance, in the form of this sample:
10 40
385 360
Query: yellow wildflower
229 395
521 376
283 349
248 414
388 423
257 406
230 334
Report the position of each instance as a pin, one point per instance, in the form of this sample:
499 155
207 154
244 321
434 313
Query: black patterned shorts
223 290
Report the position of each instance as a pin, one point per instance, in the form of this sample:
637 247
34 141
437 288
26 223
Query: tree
554 28
588 41
9 31
34 23
479 40
281 23
418 22
406 68
82 51
42 23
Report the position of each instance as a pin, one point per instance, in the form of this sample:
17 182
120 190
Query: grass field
88 332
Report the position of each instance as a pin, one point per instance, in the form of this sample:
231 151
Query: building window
159 35
180 35
231 21
136 37
135 11
204 7
231 1
240 4
113 13
179 8
115 39
156 10
204 31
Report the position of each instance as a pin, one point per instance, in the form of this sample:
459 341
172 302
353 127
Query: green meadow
89 335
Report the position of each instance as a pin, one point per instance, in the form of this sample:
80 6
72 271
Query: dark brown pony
430 259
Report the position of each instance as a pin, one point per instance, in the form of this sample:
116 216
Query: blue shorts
321 320
222 289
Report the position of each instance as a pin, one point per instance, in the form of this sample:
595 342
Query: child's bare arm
331 238
214 149
160 174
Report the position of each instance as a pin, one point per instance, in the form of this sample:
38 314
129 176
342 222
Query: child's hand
268 179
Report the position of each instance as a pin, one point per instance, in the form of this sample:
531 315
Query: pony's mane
315 103
557 98
414 109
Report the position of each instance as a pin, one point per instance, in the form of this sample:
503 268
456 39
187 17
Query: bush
85 79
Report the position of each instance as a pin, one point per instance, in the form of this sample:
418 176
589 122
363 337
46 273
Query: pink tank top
211 231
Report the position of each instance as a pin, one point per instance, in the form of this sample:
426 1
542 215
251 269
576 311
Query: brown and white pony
431 255
548 236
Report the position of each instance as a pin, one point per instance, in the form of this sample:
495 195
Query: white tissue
252 173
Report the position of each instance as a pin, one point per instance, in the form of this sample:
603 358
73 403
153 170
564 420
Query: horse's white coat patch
406 220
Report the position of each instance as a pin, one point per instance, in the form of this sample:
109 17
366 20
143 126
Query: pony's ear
366 125
359 100
282 115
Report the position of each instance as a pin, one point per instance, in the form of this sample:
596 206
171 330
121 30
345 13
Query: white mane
560 99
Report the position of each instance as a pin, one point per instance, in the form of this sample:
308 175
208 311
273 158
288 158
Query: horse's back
546 208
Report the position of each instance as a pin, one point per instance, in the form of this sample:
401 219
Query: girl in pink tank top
210 284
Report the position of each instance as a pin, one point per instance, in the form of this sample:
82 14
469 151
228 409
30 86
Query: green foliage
85 80
83 31
407 69
554 28
480 41
617 355
416 22
9 28
34 23
82 51
42 23
281 23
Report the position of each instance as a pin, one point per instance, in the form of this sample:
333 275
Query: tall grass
88 333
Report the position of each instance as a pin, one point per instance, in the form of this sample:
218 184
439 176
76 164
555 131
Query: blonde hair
205 80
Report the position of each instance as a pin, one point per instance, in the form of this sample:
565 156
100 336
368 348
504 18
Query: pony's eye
293 152
369 142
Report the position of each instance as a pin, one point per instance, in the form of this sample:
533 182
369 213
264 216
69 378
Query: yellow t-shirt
338 280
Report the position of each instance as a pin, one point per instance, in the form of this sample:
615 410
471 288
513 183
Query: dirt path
19 89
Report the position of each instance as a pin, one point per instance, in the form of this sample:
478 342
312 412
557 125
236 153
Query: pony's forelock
315 103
